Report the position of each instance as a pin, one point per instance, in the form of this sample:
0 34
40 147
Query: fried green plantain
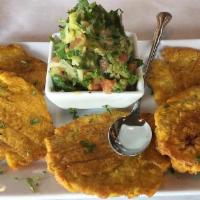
81 160
24 120
178 130
178 70
13 58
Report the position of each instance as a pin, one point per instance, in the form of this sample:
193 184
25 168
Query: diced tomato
75 43
107 85
94 86
132 67
55 59
123 58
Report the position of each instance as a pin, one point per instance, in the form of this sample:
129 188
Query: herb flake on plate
32 182
107 108
74 113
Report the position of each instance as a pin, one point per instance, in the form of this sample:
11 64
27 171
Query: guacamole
93 52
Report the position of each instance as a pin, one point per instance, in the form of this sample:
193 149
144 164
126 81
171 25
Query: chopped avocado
65 70
92 40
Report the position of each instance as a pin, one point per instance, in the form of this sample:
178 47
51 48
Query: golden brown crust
13 58
3 149
178 70
178 130
21 104
101 172
182 55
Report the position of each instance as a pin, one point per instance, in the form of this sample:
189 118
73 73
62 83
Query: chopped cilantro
107 108
60 84
32 182
2 124
34 121
89 147
59 48
74 113
132 79
73 52
138 62
83 3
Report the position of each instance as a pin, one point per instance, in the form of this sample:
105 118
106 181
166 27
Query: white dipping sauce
135 138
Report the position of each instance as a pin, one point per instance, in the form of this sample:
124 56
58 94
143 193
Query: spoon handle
163 18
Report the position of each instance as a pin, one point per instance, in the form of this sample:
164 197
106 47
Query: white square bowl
96 99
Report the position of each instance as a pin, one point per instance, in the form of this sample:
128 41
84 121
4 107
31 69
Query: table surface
36 20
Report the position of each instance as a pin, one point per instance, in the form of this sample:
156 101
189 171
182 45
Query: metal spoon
137 132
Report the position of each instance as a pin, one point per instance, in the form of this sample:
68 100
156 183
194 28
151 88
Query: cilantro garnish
32 182
107 108
138 62
74 113
34 121
2 124
61 84
89 147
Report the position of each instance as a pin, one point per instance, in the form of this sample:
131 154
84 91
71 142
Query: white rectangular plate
174 184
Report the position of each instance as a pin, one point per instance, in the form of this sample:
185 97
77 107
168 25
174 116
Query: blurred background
35 20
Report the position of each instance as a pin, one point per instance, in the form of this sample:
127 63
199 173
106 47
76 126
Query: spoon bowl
122 143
